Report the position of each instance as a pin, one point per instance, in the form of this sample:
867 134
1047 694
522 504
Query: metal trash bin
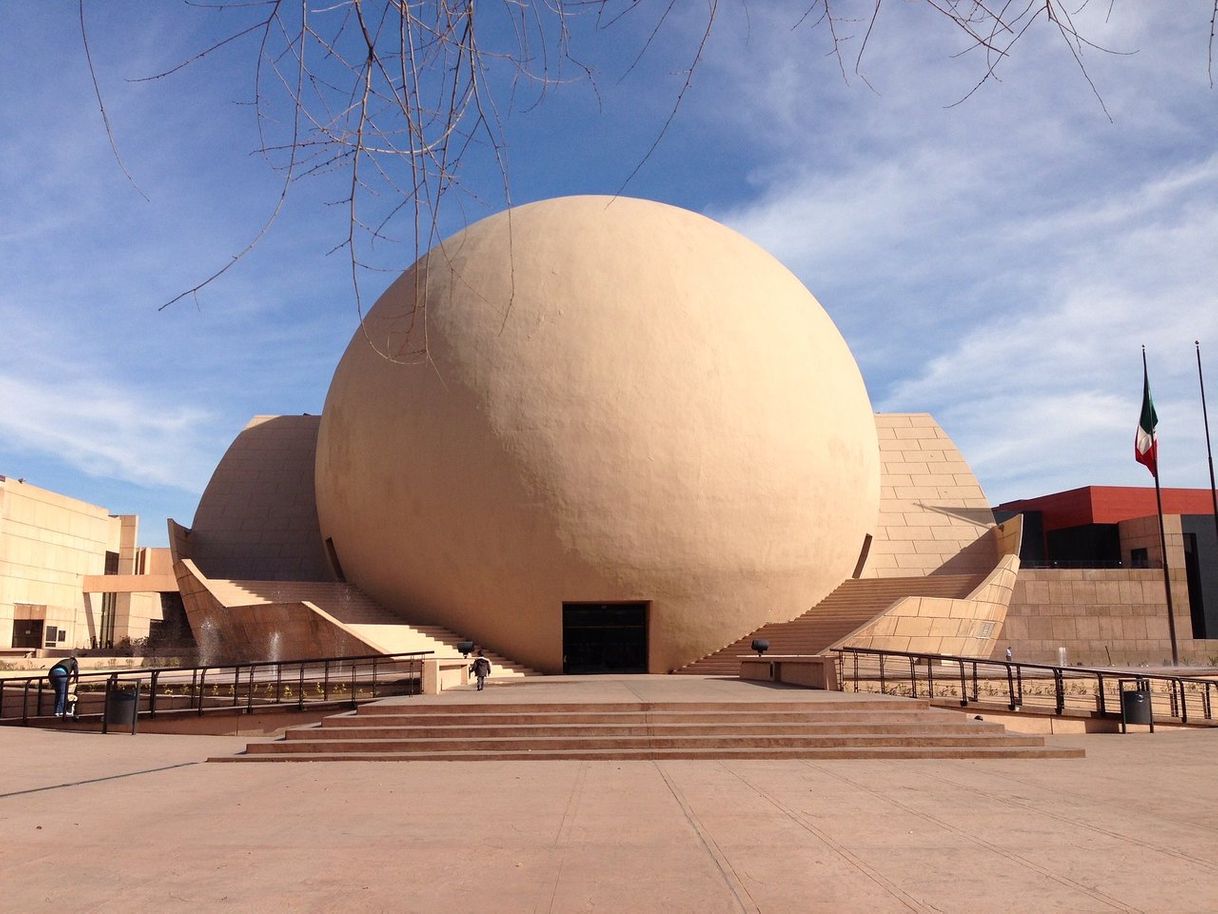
1135 706
121 706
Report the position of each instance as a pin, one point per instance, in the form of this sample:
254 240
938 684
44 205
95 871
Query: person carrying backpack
481 668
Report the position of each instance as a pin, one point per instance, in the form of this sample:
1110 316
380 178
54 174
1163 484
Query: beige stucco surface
49 543
257 519
621 401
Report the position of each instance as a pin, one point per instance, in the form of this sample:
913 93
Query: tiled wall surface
933 514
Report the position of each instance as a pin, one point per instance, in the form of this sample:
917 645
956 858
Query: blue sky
997 263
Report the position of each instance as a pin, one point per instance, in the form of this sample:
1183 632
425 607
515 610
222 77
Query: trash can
120 708
1135 706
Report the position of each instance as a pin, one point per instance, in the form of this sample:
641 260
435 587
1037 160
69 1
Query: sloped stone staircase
362 616
477 731
854 603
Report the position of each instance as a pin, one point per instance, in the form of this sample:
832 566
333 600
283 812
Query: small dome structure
630 421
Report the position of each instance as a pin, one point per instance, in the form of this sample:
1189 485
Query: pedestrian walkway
133 823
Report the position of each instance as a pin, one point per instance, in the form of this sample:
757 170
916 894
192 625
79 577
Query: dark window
52 635
1139 558
27 633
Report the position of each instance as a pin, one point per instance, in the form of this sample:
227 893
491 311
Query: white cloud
1000 263
106 430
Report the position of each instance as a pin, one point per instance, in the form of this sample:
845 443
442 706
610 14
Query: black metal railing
1021 686
242 687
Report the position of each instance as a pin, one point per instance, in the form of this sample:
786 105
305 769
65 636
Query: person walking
481 668
65 670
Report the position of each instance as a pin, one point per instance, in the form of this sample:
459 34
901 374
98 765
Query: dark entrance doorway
604 637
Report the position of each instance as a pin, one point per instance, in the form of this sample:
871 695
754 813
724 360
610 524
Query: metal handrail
1085 689
233 685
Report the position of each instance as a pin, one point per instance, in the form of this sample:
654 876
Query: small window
52 635
63 635
1139 558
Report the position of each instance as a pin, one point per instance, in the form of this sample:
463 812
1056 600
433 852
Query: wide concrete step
587 741
632 718
691 707
845 727
655 754
734 730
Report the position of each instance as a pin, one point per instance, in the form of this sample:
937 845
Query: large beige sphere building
597 432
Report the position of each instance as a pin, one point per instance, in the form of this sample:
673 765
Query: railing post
1010 688
963 687
976 684
278 681
1183 703
300 697
236 684
152 694
202 686
1059 691
930 677
354 682
913 679
111 680
374 677
883 686
249 695
325 688
1101 703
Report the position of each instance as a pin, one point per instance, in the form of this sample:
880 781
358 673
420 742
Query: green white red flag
1145 445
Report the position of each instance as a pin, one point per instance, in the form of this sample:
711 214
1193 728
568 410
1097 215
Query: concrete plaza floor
121 823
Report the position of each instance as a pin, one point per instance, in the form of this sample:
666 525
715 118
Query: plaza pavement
92 822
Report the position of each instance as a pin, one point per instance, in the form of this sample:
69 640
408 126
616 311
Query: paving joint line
852 859
109 777
1095 893
726 870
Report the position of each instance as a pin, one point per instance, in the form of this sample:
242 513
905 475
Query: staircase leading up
361 615
854 603
816 729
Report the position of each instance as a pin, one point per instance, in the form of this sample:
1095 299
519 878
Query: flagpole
1171 614
1208 451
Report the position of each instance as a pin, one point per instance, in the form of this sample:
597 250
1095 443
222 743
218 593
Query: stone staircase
854 603
853 728
372 623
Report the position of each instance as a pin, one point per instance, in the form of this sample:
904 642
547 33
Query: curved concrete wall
257 518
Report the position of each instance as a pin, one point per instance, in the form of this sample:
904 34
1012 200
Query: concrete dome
622 401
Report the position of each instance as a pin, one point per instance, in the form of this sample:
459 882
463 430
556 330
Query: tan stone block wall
1101 615
934 515
939 625
48 542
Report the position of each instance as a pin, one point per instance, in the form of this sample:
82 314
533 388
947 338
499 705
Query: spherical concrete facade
621 401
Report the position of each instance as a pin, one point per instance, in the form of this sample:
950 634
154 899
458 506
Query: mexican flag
1145 446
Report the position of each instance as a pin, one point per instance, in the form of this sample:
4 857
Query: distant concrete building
71 573
1091 579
